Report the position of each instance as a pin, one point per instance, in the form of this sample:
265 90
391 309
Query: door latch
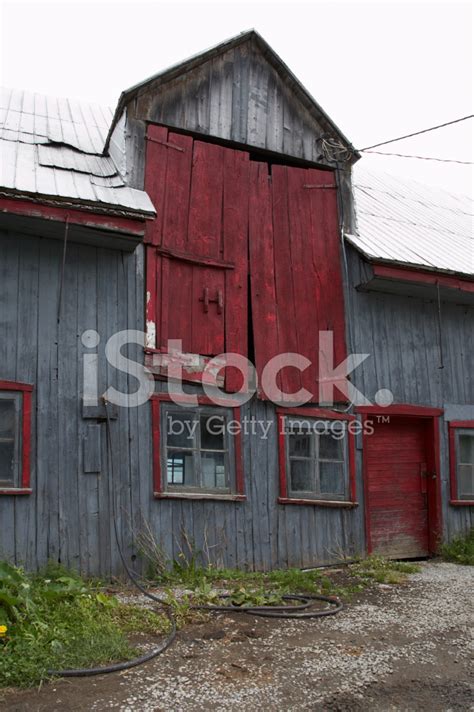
219 300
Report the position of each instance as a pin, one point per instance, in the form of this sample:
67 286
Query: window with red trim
15 436
197 450
461 458
317 458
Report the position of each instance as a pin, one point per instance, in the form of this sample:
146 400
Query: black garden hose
298 610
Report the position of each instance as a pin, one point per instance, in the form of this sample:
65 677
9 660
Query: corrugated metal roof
52 147
400 220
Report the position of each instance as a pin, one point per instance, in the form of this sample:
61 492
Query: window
197 450
316 458
461 455
15 430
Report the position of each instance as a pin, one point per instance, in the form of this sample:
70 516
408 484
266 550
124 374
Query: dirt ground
405 647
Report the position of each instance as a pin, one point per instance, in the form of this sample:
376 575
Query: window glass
317 459
330 447
180 467
301 479
212 432
180 429
300 445
197 449
213 470
466 481
466 449
331 477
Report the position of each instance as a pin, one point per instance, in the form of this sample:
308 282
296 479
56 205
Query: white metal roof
403 221
52 147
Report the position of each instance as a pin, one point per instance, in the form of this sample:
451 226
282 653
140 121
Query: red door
197 254
398 482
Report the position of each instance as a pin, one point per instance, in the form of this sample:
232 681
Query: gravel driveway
402 647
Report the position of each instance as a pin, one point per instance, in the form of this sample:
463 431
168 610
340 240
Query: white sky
379 69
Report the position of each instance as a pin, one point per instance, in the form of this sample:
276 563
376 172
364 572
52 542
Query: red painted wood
453 480
419 411
286 279
235 231
26 440
282 456
15 386
151 304
401 274
239 468
25 476
261 251
397 509
80 217
175 277
155 179
296 270
201 196
204 236
155 420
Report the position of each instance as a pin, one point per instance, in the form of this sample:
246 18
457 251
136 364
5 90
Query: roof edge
409 266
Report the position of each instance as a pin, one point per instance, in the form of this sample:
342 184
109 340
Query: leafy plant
57 620
460 550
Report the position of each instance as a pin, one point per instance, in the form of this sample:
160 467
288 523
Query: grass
58 621
460 550
381 570
203 583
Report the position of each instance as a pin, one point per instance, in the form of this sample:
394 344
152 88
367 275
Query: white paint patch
150 334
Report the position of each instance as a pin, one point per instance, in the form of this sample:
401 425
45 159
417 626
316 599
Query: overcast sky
380 69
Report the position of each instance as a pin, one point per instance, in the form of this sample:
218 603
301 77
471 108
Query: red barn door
295 267
399 481
197 261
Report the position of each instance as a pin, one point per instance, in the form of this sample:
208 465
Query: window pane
301 475
466 481
180 468
330 448
331 478
212 432
213 470
180 429
300 445
466 449
7 418
7 462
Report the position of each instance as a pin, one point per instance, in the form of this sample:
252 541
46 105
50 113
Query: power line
417 133
421 158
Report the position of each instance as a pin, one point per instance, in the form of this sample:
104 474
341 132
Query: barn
220 335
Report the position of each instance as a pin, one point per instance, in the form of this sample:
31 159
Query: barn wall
401 334
69 515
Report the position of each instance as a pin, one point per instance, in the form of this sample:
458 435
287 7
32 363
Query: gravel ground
404 647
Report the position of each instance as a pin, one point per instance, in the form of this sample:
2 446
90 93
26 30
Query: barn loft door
295 269
198 244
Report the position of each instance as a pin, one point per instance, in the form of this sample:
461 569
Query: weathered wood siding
401 334
69 515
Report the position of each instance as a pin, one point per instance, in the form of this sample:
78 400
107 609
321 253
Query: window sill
15 490
461 502
199 496
318 502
